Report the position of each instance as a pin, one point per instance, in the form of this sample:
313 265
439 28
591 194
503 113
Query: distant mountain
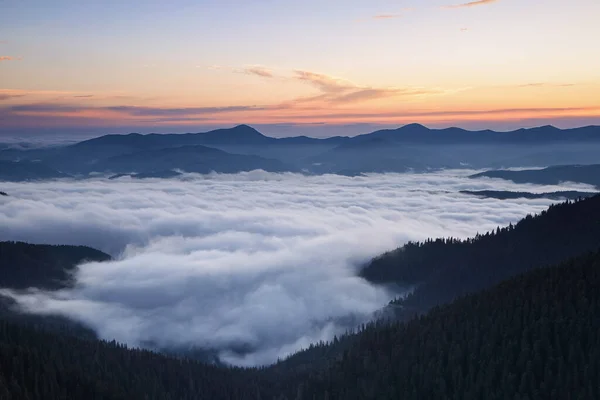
16 171
412 147
504 195
588 174
419 134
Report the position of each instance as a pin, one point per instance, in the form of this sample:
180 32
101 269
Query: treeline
24 265
532 337
443 269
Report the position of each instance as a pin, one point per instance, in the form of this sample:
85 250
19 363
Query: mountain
419 134
16 171
199 159
531 337
503 194
441 270
408 148
415 147
589 174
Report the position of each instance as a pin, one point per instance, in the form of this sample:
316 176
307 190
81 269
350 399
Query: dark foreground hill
24 265
531 337
589 174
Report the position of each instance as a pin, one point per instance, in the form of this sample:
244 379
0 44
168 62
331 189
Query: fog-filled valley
251 266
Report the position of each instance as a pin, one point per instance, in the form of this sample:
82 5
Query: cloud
9 58
472 4
253 265
7 96
337 90
387 16
545 84
259 71
137 111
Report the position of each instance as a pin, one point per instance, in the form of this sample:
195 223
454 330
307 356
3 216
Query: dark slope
24 265
589 174
17 171
443 269
39 365
532 337
504 195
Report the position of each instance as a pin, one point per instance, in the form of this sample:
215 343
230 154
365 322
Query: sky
296 67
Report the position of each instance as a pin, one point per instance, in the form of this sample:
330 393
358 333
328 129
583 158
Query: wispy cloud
337 90
545 84
472 4
387 16
9 58
134 111
259 71
7 96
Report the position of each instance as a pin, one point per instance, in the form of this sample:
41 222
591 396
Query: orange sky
204 64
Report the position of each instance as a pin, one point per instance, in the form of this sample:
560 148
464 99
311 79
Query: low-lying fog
254 265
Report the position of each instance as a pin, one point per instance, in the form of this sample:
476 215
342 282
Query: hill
531 337
17 171
443 269
199 159
589 174
24 265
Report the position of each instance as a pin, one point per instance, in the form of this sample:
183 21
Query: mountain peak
413 126
243 128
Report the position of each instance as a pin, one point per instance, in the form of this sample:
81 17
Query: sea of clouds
254 265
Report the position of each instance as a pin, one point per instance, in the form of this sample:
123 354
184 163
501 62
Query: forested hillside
443 269
24 265
532 337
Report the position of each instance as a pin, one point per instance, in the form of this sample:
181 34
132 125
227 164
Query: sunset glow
186 64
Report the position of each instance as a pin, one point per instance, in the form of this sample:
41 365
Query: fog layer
253 265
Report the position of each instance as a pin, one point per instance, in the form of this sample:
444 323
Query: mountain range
242 148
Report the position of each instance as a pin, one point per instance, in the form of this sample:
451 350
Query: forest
509 314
